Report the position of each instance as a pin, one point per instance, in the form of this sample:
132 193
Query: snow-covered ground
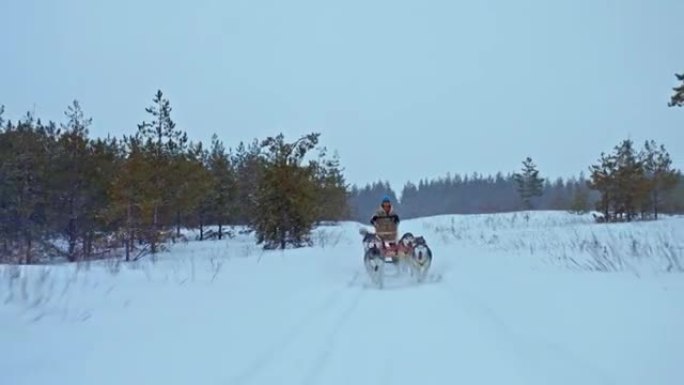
545 298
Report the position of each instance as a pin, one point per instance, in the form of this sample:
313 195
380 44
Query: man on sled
386 222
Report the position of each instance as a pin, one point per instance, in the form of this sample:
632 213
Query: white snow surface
538 298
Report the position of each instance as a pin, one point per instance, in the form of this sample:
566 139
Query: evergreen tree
602 179
223 188
529 183
286 194
630 187
70 187
7 192
677 99
249 168
191 186
130 193
410 199
104 163
674 201
26 153
332 189
557 195
161 132
165 148
580 201
660 177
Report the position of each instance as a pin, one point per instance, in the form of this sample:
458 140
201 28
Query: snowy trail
406 333
310 316
412 335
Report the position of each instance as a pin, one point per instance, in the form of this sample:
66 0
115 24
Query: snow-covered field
544 298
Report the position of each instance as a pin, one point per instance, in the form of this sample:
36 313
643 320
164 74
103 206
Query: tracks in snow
331 338
443 327
319 324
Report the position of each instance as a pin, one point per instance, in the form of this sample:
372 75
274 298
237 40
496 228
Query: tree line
65 194
625 184
471 194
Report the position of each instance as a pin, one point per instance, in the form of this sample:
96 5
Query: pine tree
190 185
629 180
602 179
677 98
223 189
161 132
105 160
674 201
410 199
558 199
286 194
70 188
205 209
529 183
165 148
332 191
580 201
249 165
659 176
28 147
7 189
132 194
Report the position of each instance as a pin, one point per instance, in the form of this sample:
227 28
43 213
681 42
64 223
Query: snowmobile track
263 359
331 339
325 307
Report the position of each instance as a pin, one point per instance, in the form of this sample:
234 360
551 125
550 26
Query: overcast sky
401 89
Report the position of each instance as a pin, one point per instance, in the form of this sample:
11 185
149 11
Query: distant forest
477 194
469 194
